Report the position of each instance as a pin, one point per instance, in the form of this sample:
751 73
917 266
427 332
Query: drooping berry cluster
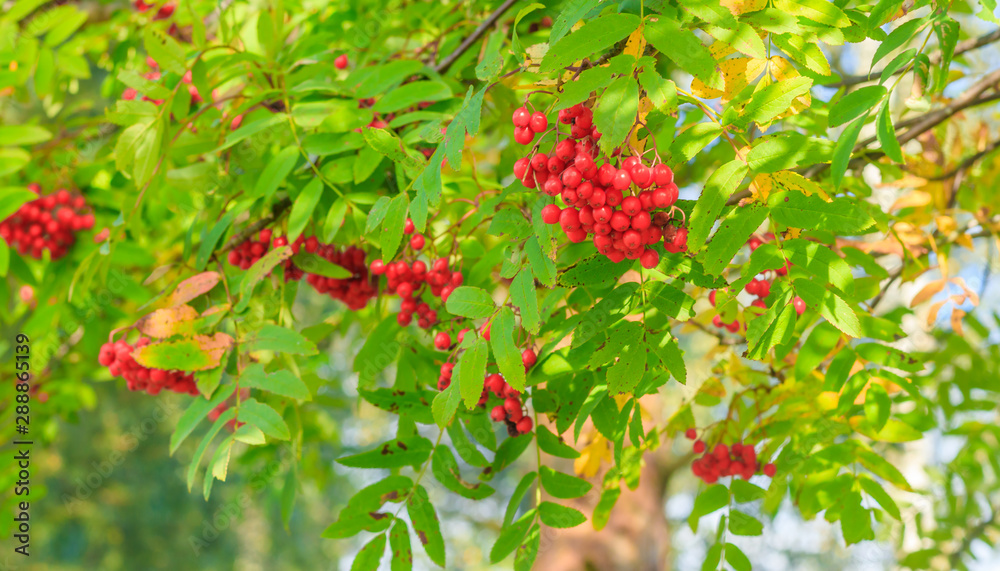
511 410
354 291
117 357
625 209
250 251
162 14
407 280
736 460
47 223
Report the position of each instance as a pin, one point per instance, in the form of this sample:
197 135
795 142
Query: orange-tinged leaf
200 353
956 321
932 314
591 457
946 224
927 292
973 296
194 286
167 322
737 72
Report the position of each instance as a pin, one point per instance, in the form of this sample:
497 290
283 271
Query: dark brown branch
935 58
476 34
968 162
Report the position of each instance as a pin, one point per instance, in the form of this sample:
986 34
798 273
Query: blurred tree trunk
636 537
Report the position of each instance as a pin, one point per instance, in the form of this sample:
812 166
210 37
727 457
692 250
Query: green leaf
595 36
578 91
773 327
595 271
662 93
732 234
281 382
830 305
542 267
571 14
471 371
199 354
628 371
852 105
399 547
334 219
560 517
412 404
552 444
743 524
505 352
276 338
744 491
710 499
523 296
265 418
524 559
510 222
886 134
563 486
258 271
820 261
370 556
773 100
193 415
472 302
276 171
378 352
377 214
845 148
386 143
684 49
713 556
412 93
249 434
315 264
167 52
665 347
13 198
875 490
445 405
718 188
412 451
819 11
303 208
425 524
510 537
446 471
23 135
392 227
616 111
855 521
841 216
361 512
803 51
515 499
736 558
225 417
897 38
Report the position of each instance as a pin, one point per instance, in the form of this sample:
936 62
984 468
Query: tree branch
476 34
935 58
967 162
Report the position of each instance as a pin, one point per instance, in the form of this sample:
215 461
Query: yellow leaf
621 399
738 7
915 199
589 462
946 224
973 296
781 69
965 240
956 321
737 72
761 186
636 43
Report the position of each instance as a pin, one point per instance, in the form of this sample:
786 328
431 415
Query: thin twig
935 58
476 34
967 162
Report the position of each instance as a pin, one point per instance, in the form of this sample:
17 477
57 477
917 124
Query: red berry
649 259
699 447
799 304
521 117
770 470
498 413
524 425
691 434
662 175
417 241
622 180
377 267
529 358
523 135
642 176
550 214
521 167
538 122
442 341
409 227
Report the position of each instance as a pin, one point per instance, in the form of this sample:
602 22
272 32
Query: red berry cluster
617 206
354 291
47 223
511 410
407 281
736 460
162 14
246 254
117 357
